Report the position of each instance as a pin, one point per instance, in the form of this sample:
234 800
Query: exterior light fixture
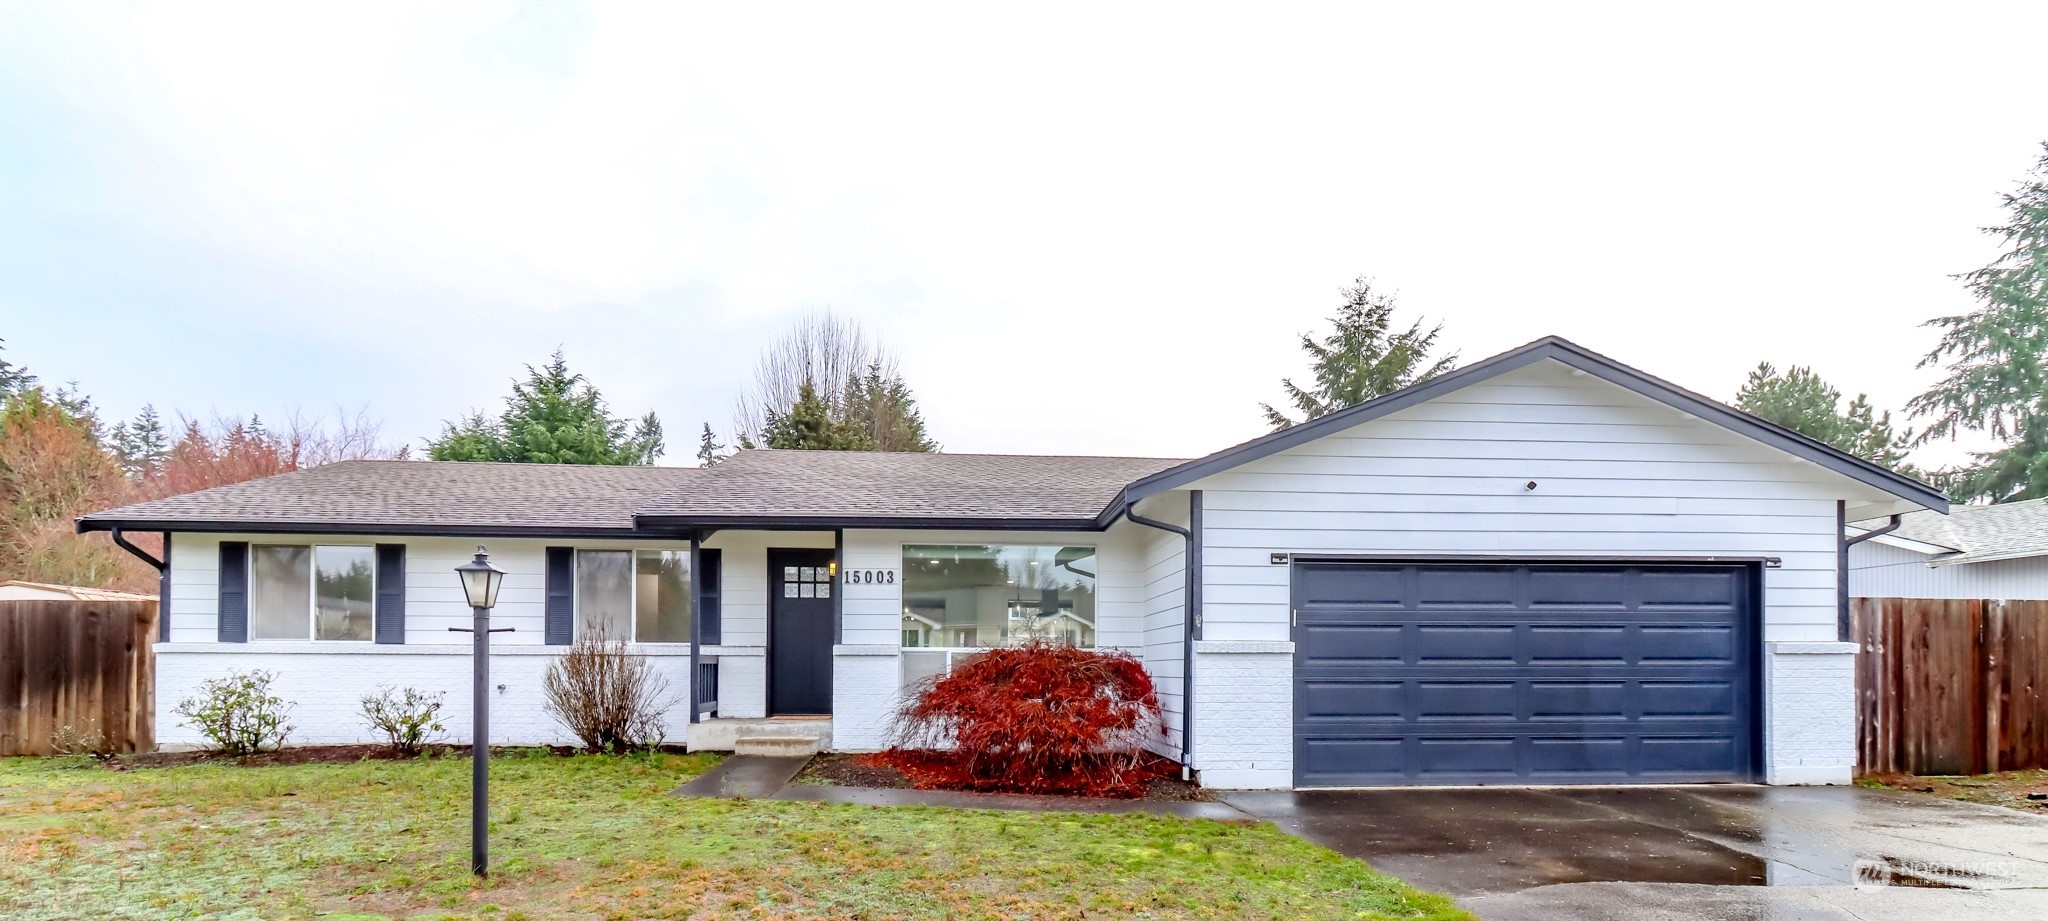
480 582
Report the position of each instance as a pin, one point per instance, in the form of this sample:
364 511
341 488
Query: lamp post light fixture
480 582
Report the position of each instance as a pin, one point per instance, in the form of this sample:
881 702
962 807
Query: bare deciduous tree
823 350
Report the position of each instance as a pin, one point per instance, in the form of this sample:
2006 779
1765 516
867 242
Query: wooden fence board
84 664
1950 686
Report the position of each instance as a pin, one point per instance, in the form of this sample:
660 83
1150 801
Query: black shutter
560 626
708 582
390 608
234 591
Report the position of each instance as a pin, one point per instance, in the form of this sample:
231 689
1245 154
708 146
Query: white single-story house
1975 551
1546 567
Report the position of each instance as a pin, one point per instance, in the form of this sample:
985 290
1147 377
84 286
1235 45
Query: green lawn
597 837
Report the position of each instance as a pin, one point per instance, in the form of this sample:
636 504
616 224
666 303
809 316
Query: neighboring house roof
18 590
1972 533
1573 356
823 489
415 497
878 489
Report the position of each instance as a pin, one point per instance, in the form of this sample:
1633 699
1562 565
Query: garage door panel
1717 588
1467 756
1550 701
1565 755
1382 757
1353 586
1687 699
1576 587
1464 700
1576 644
1531 672
1360 644
1704 644
1326 700
1688 756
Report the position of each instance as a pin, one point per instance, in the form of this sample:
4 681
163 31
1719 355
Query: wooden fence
84 664
1950 686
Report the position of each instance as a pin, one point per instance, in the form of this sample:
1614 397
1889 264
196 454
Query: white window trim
313 595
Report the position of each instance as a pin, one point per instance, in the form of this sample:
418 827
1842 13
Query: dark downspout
163 580
1842 630
1191 616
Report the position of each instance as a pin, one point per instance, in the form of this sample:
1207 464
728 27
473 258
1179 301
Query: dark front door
799 632
1533 672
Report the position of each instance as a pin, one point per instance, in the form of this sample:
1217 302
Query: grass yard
598 837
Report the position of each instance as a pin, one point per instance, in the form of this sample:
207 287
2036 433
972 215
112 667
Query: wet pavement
745 776
1717 852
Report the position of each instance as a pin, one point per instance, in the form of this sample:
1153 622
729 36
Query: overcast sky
1087 229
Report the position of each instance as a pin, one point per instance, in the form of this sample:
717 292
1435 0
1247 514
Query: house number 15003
871 577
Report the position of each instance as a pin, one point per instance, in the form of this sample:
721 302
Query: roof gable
1572 356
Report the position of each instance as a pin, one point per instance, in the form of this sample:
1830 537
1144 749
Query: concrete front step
725 735
778 746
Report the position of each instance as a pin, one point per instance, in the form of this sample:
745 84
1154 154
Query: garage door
1522 673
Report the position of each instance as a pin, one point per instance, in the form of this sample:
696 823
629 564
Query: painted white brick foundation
1810 713
742 680
864 694
1244 714
326 687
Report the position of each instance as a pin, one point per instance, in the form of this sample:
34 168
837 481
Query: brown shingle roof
789 488
417 497
871 485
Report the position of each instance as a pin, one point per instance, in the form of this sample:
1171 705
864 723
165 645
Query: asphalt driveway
1713 852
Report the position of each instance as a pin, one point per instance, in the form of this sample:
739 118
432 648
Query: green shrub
408 717
238 715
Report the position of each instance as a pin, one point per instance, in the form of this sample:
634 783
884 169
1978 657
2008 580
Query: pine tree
1360 359
1994 355
808 426
709 451
142 446
552 417
1800 400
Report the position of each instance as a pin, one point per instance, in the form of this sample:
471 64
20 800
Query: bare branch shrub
408 717
607 694
84 741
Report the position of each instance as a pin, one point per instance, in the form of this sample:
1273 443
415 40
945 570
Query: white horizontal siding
1879 570
433 597
1615 474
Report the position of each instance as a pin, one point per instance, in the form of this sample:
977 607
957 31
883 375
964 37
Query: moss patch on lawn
600 838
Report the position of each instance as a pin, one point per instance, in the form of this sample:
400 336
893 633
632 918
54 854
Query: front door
799 632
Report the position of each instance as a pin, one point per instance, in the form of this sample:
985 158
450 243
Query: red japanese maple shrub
1037 718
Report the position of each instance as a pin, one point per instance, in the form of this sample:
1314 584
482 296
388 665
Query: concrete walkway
745 776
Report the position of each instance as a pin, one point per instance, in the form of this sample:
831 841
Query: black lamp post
480 581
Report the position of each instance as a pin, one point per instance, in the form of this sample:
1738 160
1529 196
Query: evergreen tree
13 378
1994 356
553 417
709 451
881 405
1361 359
851 373
808 426
141 446
1800 400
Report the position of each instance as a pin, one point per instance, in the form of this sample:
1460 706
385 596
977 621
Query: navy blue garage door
1453 673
